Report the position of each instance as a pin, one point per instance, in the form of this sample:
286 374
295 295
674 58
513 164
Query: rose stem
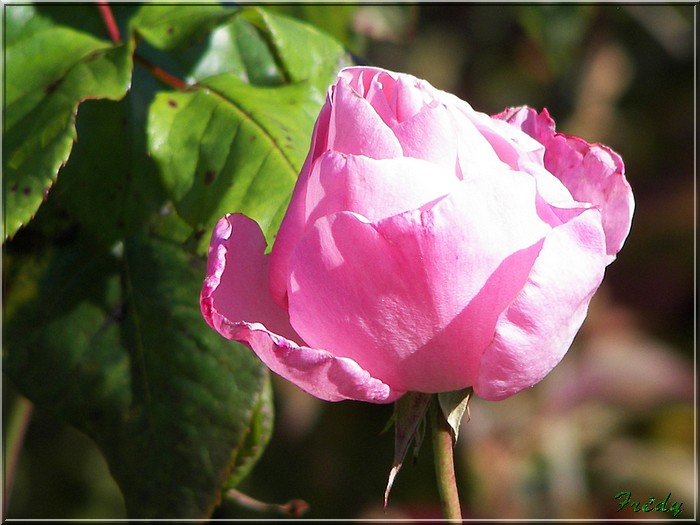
443 446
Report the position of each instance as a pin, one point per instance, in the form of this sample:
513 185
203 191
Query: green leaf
113 342
49 70
265 49
227 146
237 47
303 52
168 27
109 184
231 147
255 439
334 19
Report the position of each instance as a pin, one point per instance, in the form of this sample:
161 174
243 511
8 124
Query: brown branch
110 23
292 509
160 74
113 30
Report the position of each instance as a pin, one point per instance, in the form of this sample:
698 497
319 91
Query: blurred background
618 413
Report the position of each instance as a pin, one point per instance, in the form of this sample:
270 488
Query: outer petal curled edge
235 305
593 173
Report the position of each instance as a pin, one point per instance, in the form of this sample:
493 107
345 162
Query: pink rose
427 247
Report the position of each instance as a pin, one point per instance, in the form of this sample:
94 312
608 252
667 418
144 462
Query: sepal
408 418
453 406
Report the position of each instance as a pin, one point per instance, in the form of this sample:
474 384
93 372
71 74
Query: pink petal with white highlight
537 329
356 128
411 298
373 188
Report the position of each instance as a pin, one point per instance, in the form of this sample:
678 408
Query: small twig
110 23
160 74
292 509
113 30
16 430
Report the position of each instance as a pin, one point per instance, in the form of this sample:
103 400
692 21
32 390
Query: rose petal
234 303
375 85
506 143
430 134
235 288
356 128
295 217
394 97
315 371
409 96
411 298
592 172
535 332
373 188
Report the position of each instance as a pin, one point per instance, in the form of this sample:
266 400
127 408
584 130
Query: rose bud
427 247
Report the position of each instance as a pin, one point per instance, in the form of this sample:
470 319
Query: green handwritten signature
625 498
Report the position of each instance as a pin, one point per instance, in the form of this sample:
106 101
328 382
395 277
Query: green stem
16 430
443 445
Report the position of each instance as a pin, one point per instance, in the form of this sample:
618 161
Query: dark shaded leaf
109 184
255 438
114 343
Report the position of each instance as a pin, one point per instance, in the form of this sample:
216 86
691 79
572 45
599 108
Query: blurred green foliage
617 414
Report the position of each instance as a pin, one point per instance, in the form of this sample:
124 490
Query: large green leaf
304 53
335 19
109 184
49 70
114 343
255 439
171 26
231 147
237 47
